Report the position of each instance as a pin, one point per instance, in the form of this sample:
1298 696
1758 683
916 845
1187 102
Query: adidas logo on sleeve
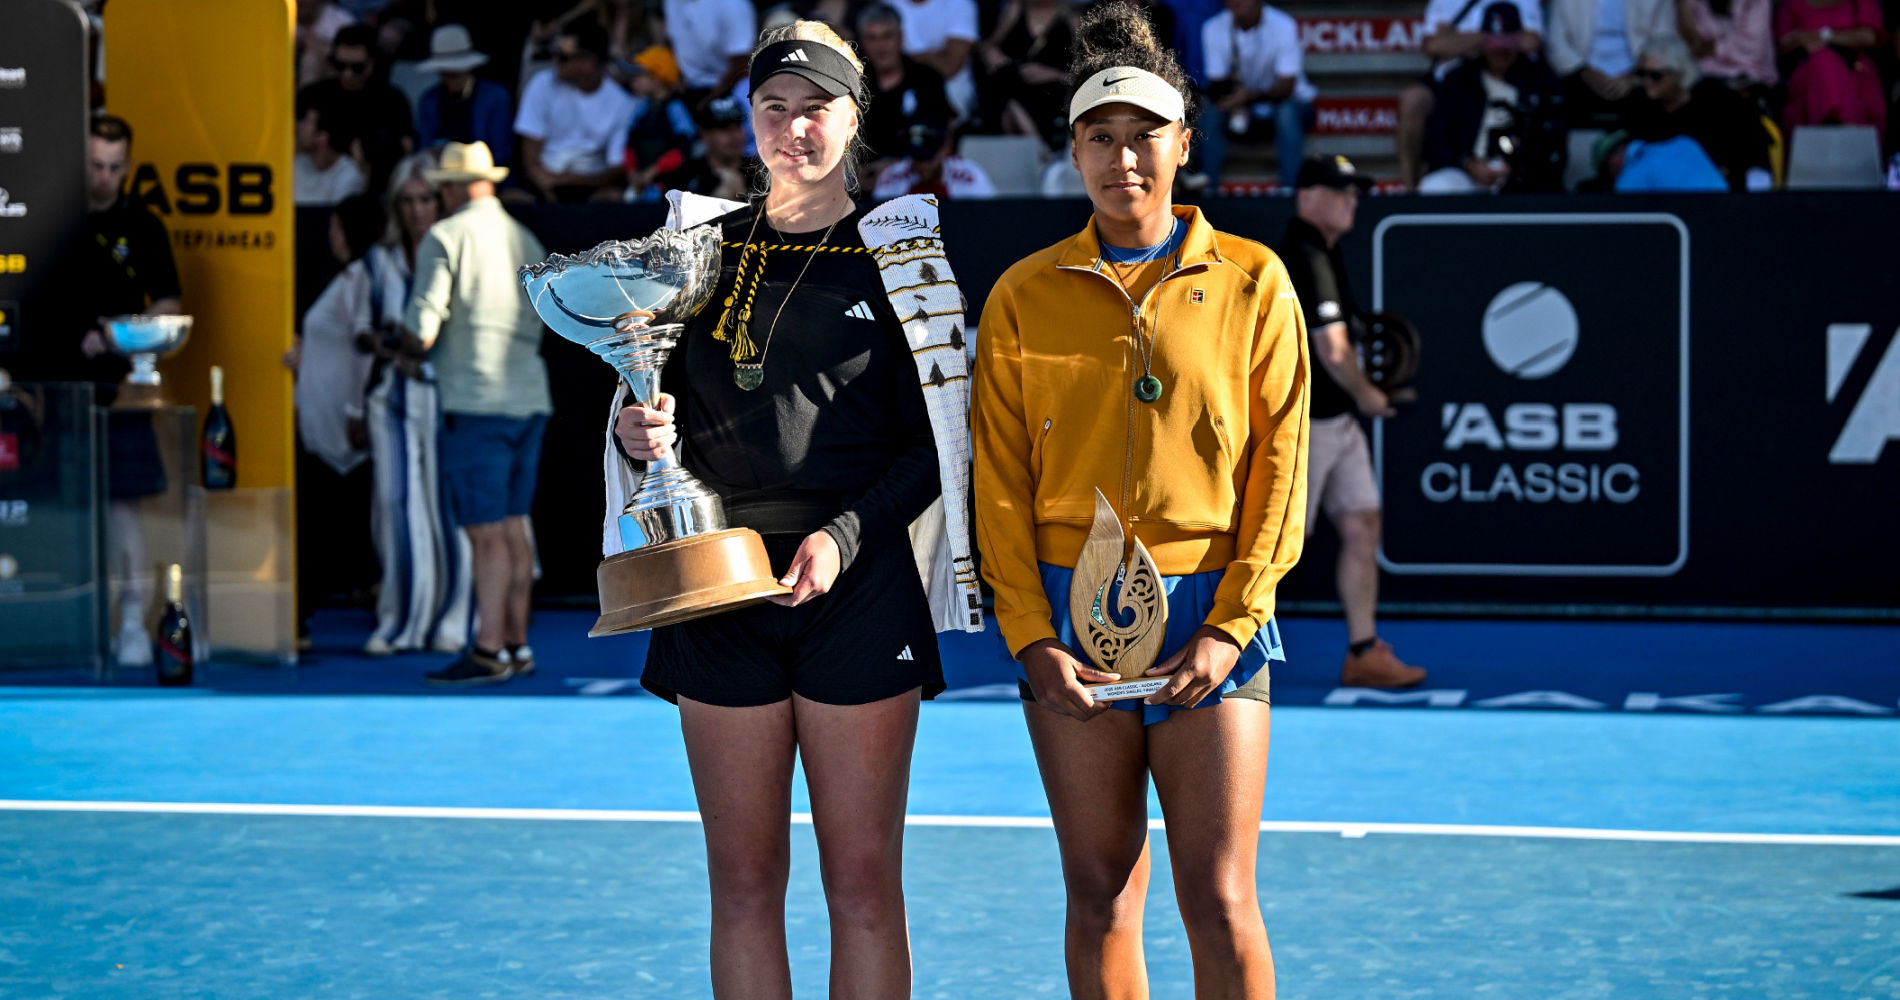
906 654
861 311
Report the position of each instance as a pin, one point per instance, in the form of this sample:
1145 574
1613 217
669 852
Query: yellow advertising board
207 88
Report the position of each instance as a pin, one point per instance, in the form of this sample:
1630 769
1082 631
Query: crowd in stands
625 99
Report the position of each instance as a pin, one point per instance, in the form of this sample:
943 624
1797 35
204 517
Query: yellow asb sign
206 86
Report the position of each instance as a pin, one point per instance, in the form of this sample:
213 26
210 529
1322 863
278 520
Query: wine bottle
171 647
219 440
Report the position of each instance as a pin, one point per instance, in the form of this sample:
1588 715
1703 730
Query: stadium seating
1013 162
1834 156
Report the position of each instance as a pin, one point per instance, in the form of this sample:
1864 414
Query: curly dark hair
1113 35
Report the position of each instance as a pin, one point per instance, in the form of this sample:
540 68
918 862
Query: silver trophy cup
628 302
146 340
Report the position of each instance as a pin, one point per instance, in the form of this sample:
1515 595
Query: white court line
1347 830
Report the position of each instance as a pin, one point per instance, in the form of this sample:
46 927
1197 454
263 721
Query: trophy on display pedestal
147 340
628 302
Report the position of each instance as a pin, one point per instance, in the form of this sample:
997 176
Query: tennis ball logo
1530 330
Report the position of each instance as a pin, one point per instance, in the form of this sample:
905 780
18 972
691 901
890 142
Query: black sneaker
521 658
472 668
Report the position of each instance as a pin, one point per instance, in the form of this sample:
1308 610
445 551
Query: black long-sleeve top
838 429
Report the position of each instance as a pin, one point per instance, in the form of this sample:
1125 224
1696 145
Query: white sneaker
135 647
377 646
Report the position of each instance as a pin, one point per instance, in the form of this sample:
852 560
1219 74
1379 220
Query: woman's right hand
1056 678
647 433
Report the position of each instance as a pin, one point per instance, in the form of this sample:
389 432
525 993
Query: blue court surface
1603 810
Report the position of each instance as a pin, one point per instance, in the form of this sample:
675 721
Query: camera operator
1497 121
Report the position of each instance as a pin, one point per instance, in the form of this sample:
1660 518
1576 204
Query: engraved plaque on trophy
628 302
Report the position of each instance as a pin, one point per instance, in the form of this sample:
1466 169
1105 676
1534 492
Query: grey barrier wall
1634 405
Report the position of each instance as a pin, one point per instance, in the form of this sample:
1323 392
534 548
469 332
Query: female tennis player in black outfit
802 409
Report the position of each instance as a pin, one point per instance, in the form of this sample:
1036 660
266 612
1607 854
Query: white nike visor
1128 85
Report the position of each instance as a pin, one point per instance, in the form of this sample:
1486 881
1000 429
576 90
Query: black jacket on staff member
1318 273
118 264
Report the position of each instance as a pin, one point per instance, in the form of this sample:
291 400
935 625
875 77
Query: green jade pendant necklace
1148 388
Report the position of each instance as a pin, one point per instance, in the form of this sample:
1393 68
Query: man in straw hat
484 342
464 107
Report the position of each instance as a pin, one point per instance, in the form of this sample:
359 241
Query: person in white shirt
1453 33
712 39
1593 45
1256 82
941 34
570 117
322 174
932 169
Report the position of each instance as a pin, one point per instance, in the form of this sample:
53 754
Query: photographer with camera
1497 121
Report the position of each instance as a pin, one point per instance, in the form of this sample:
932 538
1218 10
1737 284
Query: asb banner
43 99
1551 434
206 86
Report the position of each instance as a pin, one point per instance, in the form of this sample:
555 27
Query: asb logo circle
1530 330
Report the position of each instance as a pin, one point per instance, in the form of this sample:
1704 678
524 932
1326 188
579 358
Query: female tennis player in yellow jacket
1163 363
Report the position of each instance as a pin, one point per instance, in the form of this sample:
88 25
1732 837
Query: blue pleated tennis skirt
1190 598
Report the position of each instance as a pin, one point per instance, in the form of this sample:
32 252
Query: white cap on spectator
451 50
1128 85
462 162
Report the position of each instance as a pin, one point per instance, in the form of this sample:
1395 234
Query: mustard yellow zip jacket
1212 476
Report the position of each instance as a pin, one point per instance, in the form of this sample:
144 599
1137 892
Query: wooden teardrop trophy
1128 650
628 301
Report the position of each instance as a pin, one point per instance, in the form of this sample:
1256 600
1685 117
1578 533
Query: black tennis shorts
868 639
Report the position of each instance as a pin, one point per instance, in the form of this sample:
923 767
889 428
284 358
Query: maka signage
1551 435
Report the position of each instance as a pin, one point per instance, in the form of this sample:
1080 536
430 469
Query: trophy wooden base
138 396
681 580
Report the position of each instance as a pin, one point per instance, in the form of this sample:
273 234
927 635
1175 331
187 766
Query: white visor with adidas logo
1128 85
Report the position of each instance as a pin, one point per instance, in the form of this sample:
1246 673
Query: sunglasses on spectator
351 66
1653 75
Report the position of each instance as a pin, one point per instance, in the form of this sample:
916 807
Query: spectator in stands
484 342
712 39
941 34
424 600
1339 463
721 172
1453 35
322 172
930 168
376 114
572 118
1727 125
1834 80
660 136
1632 166
1593 45
332 372
1025 61
1495 118
1733 40
903 90
464 107
1256 84
318 21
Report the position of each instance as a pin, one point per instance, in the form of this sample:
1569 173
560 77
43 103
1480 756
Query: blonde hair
411 167
820 32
